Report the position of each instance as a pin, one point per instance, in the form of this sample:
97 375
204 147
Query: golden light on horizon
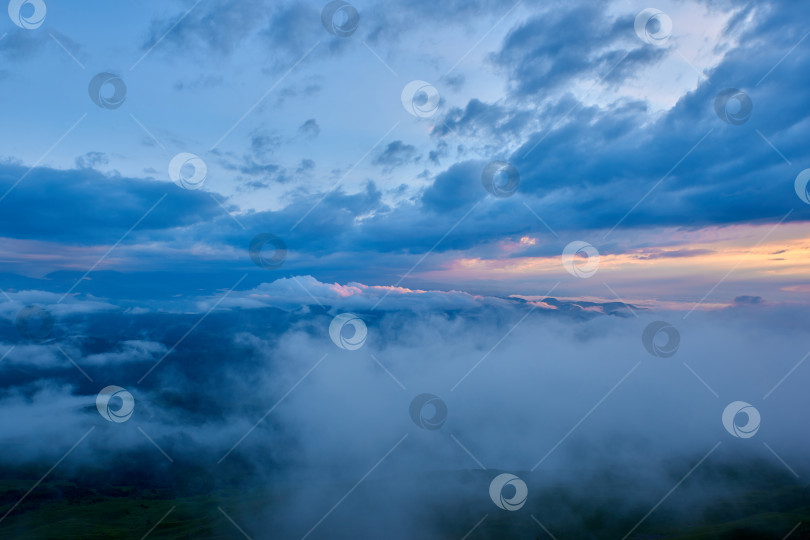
691 259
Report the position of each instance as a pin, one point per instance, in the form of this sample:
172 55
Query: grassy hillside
759 504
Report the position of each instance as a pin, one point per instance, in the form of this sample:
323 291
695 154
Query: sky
191 191
614 141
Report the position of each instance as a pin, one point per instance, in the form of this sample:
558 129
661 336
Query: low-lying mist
292 433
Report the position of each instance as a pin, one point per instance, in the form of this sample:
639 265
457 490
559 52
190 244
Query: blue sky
616 142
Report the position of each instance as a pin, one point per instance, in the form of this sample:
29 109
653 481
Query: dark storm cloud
493 124
396 154
218 27
20 44
85 206
263 144
456 187
596 162
222 26
91 160
287 28
673 253
310 128
551 50
748 299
